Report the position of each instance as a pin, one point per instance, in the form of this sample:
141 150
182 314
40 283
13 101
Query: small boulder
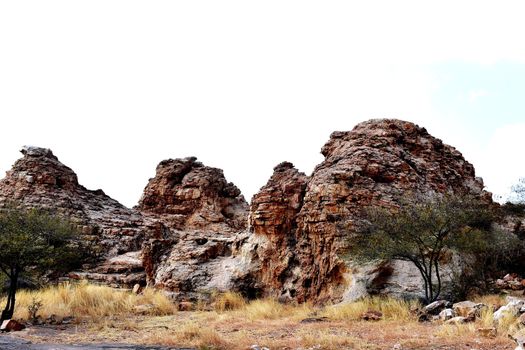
314 319
257 347
446 314
137 289
457 320
512 308
372 315
521 319
11 326
436 307
469 309
185 306
144 309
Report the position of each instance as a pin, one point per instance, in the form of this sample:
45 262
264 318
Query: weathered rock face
375 163
192 231
203 212
39 179
187 195
188 224
273 215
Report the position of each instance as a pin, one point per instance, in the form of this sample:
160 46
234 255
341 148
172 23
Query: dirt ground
205 330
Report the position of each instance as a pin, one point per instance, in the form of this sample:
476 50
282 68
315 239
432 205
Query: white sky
113 87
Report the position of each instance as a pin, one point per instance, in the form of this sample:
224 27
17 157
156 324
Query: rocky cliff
373 164
203 212
192 231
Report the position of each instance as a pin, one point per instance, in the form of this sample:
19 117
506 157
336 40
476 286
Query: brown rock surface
39 179
189 232
374 163
204 213
187 195
274 210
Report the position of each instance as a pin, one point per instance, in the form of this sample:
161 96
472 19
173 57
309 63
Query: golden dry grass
228 301
90 301
234 323
392 309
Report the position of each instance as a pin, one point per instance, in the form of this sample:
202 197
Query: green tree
421 230
37 242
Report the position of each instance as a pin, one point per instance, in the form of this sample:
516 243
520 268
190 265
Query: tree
420 230
34 241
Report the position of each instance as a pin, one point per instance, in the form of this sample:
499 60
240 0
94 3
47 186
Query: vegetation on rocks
422 230
32 242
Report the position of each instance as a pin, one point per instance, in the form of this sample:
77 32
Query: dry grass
90 301
234 323
392 309
228 301
191 334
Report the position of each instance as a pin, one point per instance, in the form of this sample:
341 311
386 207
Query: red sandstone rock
185 194
373 164
189 232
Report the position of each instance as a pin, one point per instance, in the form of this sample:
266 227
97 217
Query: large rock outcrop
175 239
374 164
204 213
40 180
192 231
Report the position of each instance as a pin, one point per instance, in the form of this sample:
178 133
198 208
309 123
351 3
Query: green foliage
35 242
421 230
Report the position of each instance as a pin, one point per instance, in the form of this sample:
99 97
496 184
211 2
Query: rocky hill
373 164
192 231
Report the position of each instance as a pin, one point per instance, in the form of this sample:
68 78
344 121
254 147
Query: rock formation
373 164
192 232
186 195
203 213
186 218
274 210
40 180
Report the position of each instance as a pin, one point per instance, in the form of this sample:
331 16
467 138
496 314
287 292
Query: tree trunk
10 306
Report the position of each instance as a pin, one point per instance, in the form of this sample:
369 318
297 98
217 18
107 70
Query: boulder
512 309
436 307
469 309
12 326
490 332
447 314
185 194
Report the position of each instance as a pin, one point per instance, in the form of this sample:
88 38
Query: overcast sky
114 87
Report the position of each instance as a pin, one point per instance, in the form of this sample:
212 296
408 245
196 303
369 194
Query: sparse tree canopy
33 241
420 230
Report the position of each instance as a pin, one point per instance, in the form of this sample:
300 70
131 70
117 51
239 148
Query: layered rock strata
374 164
192 232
